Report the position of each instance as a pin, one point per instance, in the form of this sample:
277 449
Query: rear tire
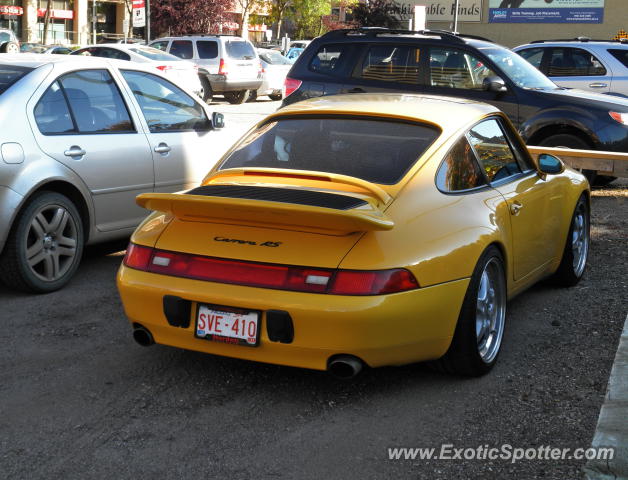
275 96
237 98
478 336
252 96
45 245
576 251
9 47
566 140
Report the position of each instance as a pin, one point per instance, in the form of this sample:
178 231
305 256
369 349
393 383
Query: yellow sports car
357 230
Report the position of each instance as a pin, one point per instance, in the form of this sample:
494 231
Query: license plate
227 325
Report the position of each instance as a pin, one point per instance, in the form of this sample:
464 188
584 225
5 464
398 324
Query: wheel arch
550 130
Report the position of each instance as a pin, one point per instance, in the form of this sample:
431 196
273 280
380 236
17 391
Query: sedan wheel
45 245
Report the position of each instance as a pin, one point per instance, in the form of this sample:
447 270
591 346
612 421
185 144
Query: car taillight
260 69
264 275
163 68
137 256
619 117
222 67
290 85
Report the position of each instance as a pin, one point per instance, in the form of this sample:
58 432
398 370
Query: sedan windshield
9 74
375 150
518 70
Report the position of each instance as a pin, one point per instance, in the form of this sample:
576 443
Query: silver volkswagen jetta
79 139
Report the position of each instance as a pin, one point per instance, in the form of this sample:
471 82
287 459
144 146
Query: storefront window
11 13
61 21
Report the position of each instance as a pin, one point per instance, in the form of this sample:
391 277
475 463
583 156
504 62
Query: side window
207 49
329 59
52 114
459 170
457 69
95 102
574 62
533 56
621 55
163 45
182 49
390 63
495 155
166 108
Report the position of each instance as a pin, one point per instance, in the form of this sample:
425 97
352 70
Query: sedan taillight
264 275
163 68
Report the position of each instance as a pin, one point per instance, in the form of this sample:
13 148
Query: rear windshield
9 74
274 58
621 55
240 50
371 149
154 54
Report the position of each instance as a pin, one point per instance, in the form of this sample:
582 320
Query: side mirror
494 84
218 120
550 164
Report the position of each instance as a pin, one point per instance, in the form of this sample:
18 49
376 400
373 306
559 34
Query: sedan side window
52 113
95 102
166 107
493 150
459 170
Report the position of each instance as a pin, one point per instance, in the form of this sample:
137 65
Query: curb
612 424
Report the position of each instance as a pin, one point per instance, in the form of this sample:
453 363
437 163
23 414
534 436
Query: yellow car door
533 203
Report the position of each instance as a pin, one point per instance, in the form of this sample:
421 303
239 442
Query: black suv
442 63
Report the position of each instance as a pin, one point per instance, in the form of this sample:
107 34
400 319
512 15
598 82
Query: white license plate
227 325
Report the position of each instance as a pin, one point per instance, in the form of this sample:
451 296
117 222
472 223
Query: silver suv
597 66
8 41
80 138
228 65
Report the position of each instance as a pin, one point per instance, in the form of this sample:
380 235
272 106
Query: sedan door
82 121
178 130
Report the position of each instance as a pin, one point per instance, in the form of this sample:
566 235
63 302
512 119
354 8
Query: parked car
597 66
347 230
89 135
229 64
294 53
45 49
442 63
9 42
275 67
180 71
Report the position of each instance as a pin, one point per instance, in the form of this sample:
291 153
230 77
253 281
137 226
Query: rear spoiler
262 213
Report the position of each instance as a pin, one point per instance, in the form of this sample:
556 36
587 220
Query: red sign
11 10
61 14
138 4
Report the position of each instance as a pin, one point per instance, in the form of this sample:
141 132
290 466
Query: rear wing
612 164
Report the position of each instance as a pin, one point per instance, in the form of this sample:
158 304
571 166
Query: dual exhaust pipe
343 367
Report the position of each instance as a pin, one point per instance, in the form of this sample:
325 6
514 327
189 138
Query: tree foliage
308 17
180 17
376 13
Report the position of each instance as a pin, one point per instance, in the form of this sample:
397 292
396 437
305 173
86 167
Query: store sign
546 11
139 13
11 10
61 14
441 10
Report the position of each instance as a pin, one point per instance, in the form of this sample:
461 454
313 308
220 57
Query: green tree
308 17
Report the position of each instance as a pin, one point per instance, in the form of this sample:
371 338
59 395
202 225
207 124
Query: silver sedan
79 139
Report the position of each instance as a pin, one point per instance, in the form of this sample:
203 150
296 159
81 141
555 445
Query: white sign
419 17
139 13
443 10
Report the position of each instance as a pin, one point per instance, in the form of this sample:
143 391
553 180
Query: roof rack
376 31
581 39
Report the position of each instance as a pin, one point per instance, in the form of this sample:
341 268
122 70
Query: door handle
74 151
356 90
162 148
598 85
515 207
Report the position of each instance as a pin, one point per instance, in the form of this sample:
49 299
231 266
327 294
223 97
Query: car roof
34 60
574 42
438 110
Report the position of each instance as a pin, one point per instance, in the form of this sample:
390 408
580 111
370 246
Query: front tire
45 245
237 98
478 336
576 251
9 47
208 94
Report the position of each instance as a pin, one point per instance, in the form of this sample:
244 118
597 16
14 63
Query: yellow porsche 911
357 230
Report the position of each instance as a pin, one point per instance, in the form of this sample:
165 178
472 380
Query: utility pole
147 20
456 16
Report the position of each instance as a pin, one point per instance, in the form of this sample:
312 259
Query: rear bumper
382 330
222 83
